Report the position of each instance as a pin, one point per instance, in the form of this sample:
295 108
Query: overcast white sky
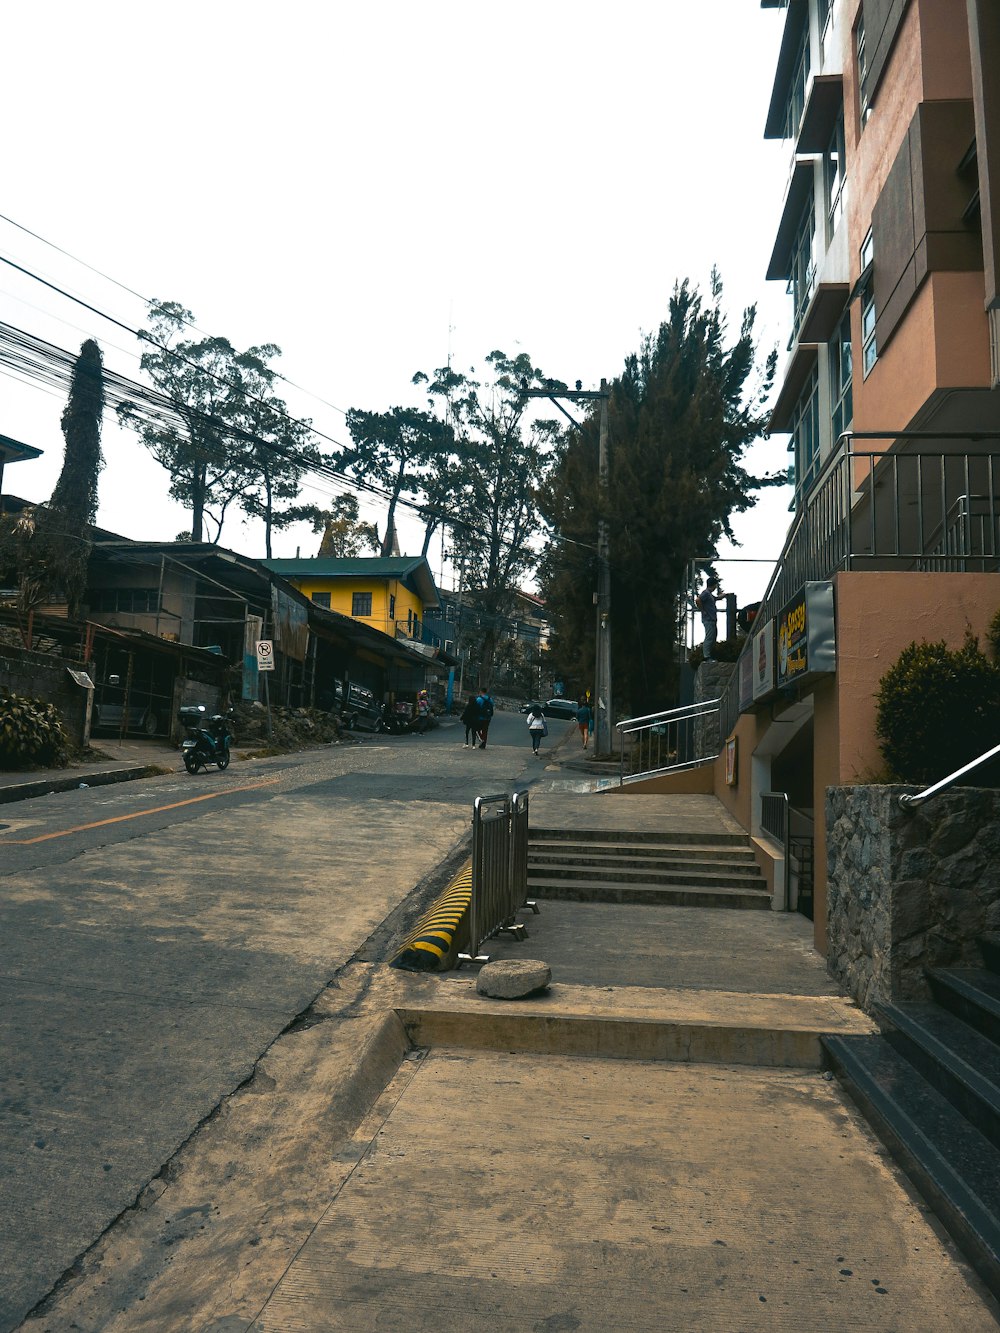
372 185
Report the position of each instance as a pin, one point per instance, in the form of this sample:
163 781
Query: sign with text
762 662
265 655
807 645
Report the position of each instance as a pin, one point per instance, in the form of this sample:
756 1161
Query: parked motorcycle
205 741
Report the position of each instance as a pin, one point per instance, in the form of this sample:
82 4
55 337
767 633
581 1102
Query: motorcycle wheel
223 760
192 763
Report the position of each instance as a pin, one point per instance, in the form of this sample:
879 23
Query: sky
375 188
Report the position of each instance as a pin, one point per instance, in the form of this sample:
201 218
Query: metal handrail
776 822
673 736
686 710
909 802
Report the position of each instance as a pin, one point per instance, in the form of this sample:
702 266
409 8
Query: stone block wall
710 682
907 890
45 676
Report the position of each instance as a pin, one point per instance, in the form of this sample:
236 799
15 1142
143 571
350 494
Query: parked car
360 712
111 717
561 708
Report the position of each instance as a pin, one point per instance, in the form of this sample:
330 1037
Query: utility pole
603 714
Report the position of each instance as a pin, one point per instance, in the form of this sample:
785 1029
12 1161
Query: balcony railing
926 502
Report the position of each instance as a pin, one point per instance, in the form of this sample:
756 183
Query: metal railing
923 503
499 870
775 821
911 802
668 742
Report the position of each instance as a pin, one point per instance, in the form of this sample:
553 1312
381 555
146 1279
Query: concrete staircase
930 1087
687 869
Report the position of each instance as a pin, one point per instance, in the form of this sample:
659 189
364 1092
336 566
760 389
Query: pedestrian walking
485 704
537 727
584 720
705 602
470 720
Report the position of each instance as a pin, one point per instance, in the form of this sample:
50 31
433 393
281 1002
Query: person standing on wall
537 727
705 602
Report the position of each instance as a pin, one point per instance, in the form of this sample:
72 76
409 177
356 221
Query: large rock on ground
513 978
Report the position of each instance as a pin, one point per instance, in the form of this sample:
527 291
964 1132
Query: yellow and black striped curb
438 935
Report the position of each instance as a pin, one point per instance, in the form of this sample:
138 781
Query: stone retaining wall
907 890
45 676
710 682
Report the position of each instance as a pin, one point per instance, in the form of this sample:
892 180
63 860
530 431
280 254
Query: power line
144 299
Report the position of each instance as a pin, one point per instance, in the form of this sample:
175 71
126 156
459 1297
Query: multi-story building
888 239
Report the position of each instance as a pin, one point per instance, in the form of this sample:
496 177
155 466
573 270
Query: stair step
704 876
668 839
600 851
989 947
679 895
958 1061
951 1163
971 993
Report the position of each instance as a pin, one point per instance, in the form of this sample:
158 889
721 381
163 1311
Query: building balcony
917 501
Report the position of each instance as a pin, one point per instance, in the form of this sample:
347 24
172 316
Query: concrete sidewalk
649 1145
122 761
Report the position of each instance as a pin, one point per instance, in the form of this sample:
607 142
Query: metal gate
499 870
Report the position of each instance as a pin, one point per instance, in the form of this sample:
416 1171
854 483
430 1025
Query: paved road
156 937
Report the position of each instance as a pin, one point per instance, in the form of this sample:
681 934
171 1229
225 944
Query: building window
126 601
869 350
805 436
825 17
841 375
321 599
861 59
833 167
392 606
803 266
797 88
361 604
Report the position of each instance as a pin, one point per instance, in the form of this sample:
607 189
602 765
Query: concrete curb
23 791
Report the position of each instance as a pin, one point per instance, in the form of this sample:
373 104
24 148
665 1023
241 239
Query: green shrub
726 650
31 733
993 636
937 709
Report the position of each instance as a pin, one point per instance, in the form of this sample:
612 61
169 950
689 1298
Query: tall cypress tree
50 545
681 416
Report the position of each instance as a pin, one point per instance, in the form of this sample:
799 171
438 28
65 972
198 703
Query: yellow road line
138 814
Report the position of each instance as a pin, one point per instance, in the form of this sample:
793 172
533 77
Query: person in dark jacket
584 720
485 705
470 720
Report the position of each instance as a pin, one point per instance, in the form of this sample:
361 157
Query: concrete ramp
558 1194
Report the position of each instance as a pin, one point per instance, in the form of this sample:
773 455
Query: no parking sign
265 655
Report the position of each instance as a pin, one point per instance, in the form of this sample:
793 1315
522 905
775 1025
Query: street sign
265 655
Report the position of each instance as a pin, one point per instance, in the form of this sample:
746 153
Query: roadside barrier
484 897
499 870
433 944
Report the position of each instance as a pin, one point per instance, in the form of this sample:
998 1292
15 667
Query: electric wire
147 303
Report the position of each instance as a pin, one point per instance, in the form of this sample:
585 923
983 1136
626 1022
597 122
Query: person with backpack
537 727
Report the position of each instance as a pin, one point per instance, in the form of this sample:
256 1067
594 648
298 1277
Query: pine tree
681 417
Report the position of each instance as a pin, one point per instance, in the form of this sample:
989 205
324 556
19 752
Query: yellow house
391 594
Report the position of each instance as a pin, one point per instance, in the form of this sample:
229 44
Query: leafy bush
31 732
726 650
937 709
993 636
